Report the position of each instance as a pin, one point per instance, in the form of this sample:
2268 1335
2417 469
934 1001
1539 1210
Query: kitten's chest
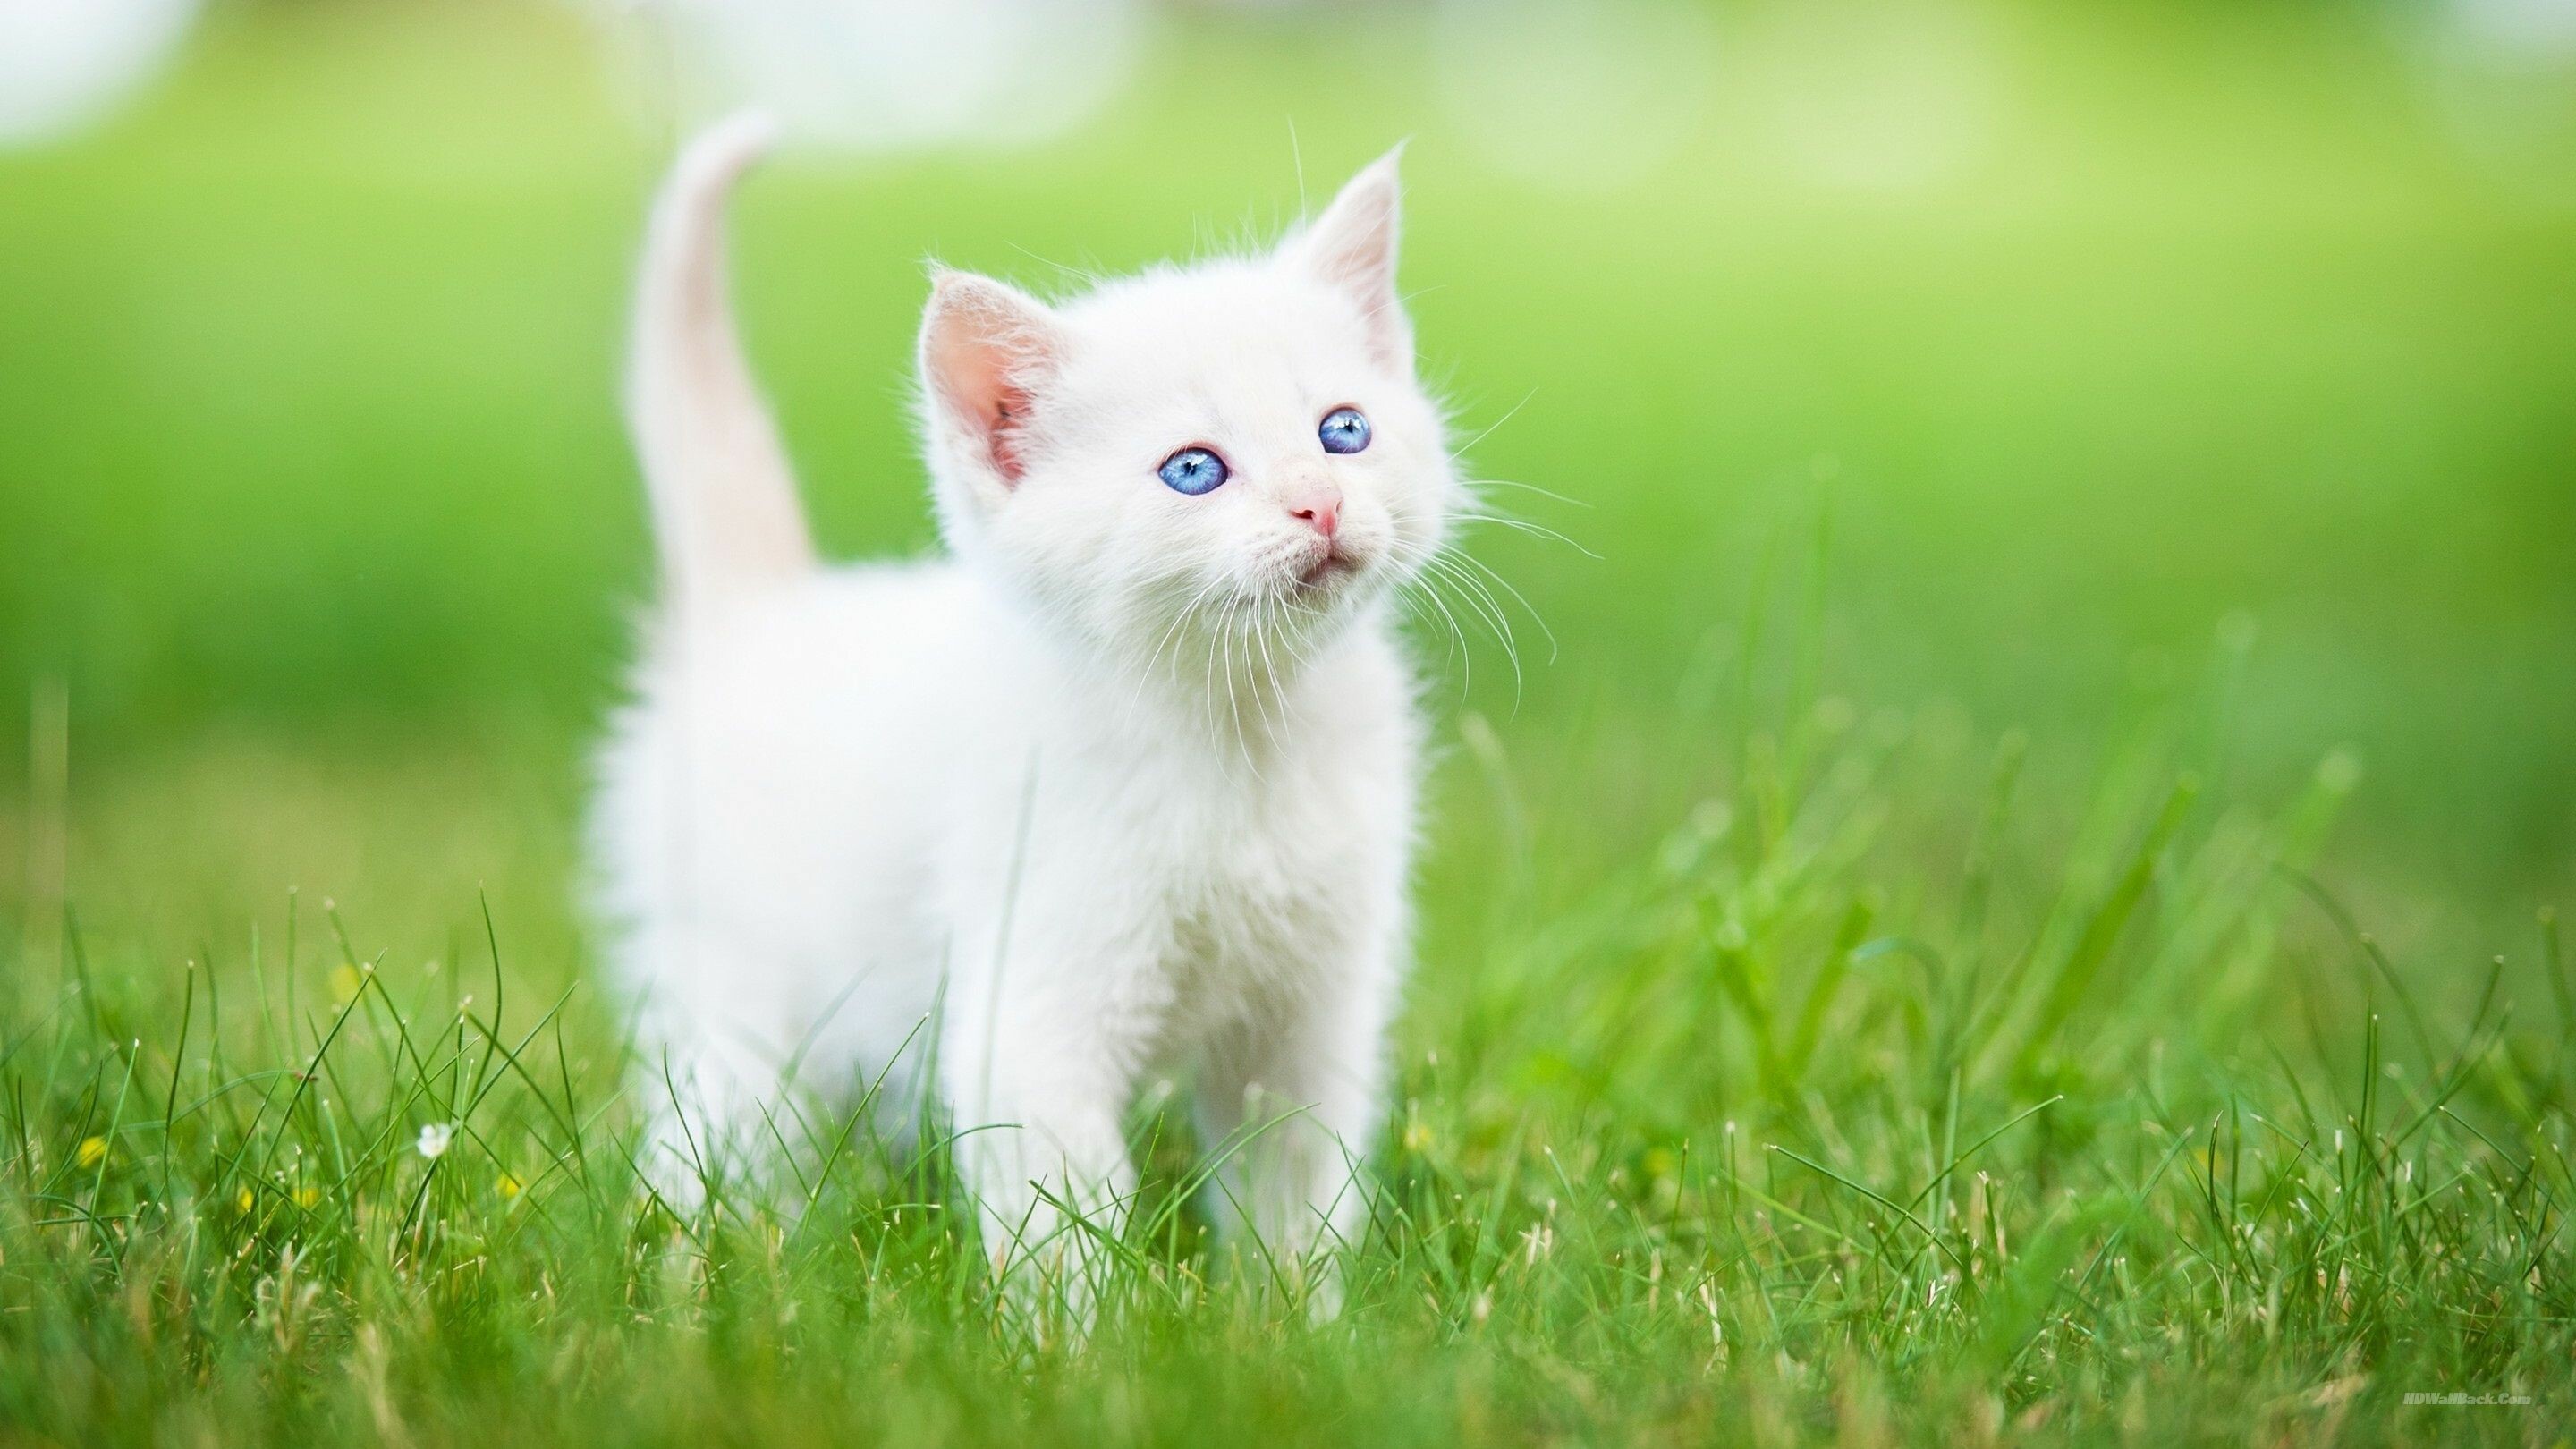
1254 883
1240 953
1263 902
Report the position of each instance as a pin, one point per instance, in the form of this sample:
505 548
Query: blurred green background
2134 362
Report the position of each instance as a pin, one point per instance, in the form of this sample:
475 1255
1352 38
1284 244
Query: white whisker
1508 414
1535 530
1476 483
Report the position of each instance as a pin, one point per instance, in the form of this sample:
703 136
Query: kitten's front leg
706 1078
707 1118
1038 1098
1302 1098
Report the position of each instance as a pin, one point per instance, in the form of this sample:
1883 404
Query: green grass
1984 926
1771 1136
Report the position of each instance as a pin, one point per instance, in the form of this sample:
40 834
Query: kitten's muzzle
1328 564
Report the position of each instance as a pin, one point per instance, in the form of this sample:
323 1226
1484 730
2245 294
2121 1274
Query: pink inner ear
1353 246
1002 440
974 377
1358 250
984 342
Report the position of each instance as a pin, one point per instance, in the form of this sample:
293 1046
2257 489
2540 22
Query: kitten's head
1213 452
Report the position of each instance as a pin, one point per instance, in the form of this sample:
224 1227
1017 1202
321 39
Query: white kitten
1124 785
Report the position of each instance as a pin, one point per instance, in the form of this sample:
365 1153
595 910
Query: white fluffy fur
1121 787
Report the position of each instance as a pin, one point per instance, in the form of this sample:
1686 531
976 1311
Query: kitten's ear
1353 246
986 348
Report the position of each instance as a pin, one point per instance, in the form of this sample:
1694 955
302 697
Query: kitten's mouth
1326 571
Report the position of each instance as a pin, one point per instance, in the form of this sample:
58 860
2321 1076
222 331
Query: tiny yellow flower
242 1200
345 984
508 1185
306 1197
1417 1137
1660 1162
93 1152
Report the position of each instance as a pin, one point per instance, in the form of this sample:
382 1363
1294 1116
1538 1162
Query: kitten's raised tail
725 511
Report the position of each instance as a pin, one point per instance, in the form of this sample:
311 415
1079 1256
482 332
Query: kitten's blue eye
1344 430
1193 471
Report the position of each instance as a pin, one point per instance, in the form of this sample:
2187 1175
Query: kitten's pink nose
1319 507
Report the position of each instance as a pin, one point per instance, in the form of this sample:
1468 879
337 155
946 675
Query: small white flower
434 1139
